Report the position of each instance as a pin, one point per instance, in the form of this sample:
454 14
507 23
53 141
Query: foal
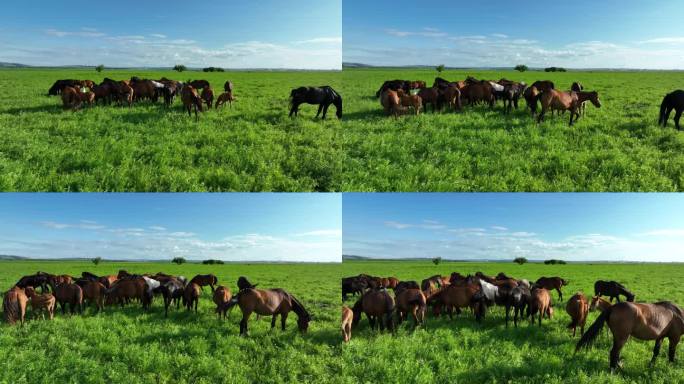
41 303
347 318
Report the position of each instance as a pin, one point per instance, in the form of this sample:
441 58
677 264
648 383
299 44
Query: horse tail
590 335
663 110
10 308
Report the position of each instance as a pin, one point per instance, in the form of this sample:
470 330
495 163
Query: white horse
490 291
152 284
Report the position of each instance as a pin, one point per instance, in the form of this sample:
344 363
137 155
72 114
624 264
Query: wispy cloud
84 32
664 40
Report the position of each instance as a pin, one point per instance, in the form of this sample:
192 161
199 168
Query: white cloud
672 232
158 35
321 40
322 232
499 228
84 32
664 40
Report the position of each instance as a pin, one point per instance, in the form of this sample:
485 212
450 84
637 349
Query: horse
270 302
191 295
578 87
452 297
544 85
518 298
452 97
411 301
552 283
59 85
199 84
644 321
612 289
71 294
406 285
40 304
511 94
531 95
347 318
392 282
394 85
578 308
144 90
323 96
126 289
169 93
71 99
14 305
243 283
674 100
55 280
476 92
599 303
378 306
391 103
226 97
108 280
540 303
221 298
228 86
566 101
94 293
172 291
208 96
352 286
433 284
430 96
40 279
204 280
191 100
412 101
125 94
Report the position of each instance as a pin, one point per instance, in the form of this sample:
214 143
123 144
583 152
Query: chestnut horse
347 318
552 283
221 298
40 304
71 294
270 302
411 301
578 308
600 303
391 102
204 280
94 293
207 96
566 101
191 101
674 100
540 303
191 296
378 306
644 321
14 305
453 296
226 97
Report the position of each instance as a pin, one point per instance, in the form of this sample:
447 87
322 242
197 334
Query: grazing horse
674 100
511 95
71 294
191 100
14 305
378 306
40 279
226 97
204 280
578 308
172 291
126 289
531 96
540 303
642 320
453 296
270 302
208 96
243 283
552 283
94 293
452 97
199 84
221 298
391 103
323 96
518 298
40 304
71 98
347 318
411 301
477 92
59 86
566 101
191 296
411 101
108 280
394 85
612 289
430 96
352 286
228 86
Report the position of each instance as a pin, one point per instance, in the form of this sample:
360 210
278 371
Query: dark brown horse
204 280
674 100
411 301
226 97
71 294
191 296
221 298
578 309
454 297
612 289
430 96
272 302
94 293
71 98
642 320
40 279
378 306
199 84
207 96
191 101
552 283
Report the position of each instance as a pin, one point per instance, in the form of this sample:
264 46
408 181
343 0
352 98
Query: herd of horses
195 95
454 293
75 293
399 97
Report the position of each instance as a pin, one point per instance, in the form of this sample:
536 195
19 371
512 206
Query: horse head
594 98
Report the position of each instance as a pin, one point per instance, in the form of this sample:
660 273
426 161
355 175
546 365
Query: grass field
253 147
132 346
462 351
616 148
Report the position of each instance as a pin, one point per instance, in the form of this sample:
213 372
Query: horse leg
293 109
656 351
371 321
678 115
283 319
243 324
668 110
560 294
674 340
325 111
618 343
320 108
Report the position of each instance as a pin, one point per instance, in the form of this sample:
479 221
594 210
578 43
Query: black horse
323 96
612 289
40 279
353 286
674 100
394 85
57 87
518 298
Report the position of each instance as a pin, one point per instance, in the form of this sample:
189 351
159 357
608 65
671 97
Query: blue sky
572 226
232 34
573 34
232 226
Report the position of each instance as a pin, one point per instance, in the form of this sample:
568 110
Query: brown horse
191 101
531 96
566 101
411 301
540 303
204 280
433 283
221 298
226 97
578 308
452 297
347 318
378 306
199 84
392 103
430 96
478 92
552 283
191 296
14 305
452 95
392 282
273 302
411 101
40 304
94 293
207 96
107 281
597 302
71 294
126 289
642 320
71 98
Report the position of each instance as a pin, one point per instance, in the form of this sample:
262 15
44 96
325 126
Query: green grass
462 351
133 346
253 147
616 148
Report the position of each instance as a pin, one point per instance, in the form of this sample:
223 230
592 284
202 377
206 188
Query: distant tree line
554 261
212 69
520 260
212 261
555 69
521 68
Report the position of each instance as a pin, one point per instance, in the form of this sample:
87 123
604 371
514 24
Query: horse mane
297 306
